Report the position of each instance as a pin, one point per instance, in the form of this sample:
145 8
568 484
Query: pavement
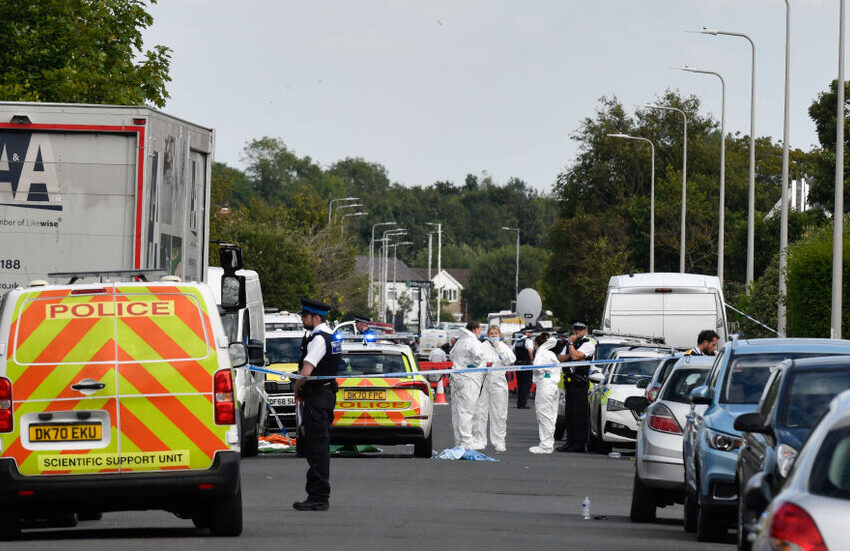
392 500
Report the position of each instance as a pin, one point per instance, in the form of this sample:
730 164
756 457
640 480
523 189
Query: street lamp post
395 263
838 214
651 197
516 280
684 178
371 293
783 212
721 231
385 257
439 260
344 216
751 199
332 201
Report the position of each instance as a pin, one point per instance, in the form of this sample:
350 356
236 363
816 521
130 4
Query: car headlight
785 456
615 405
722 441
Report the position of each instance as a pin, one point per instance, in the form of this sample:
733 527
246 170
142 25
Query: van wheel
225 515
10 526
425 446
643 502
201 518
89 516
251 443
62 521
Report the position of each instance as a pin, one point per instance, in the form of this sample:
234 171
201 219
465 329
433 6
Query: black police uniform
576 406
319 399
523 377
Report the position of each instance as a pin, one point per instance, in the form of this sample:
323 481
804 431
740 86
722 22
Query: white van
246 326
670 305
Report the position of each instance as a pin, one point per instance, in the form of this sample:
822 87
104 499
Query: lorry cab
116 396
246 325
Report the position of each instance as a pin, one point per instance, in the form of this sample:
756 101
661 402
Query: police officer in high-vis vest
579 348
320 356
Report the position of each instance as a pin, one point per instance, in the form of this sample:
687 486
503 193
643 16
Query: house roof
402 271
461 275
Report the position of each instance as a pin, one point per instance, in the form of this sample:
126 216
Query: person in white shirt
468 352
437 355
493 401
546 395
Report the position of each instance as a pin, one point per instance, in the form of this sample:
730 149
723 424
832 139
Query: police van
117 396
284 332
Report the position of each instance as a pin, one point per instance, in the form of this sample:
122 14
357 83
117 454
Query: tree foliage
492 278
80 51
823 112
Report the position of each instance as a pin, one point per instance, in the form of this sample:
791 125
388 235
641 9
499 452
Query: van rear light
793 528
663 290
7 417
88 291
223 401
422 386
662 420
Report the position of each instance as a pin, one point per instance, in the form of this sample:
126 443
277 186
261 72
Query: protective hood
550 344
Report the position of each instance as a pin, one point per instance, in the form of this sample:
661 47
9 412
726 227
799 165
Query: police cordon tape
466 370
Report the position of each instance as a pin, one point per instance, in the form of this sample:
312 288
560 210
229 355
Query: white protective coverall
546 396
493 401
467 352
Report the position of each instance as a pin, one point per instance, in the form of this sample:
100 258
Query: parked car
658 455
661 374
795 398
812 510
711 442
611 422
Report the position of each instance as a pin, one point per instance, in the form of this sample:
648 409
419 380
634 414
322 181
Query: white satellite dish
529 306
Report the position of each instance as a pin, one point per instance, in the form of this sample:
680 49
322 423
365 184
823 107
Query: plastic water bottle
585 508
614 455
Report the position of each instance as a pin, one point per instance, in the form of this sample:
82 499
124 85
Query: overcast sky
436 89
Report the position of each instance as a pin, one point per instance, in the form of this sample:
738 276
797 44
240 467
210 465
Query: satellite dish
529 305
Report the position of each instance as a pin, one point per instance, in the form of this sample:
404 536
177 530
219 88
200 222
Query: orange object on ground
440 397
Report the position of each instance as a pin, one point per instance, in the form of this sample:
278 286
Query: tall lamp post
395 263
344 216
388 234
516 280
371 293
751 200
721 231
331 204
439 260
684 178
838 215
783 211
651 197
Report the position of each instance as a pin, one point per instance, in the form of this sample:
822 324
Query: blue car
710 447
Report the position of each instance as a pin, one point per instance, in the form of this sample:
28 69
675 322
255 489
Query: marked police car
382 410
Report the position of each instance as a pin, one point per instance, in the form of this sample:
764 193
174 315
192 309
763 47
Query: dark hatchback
795 397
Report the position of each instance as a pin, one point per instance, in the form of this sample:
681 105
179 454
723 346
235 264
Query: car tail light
414 385
652 393
662 420
223 401
7 417
793 528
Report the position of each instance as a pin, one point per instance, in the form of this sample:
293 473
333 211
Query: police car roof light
370 337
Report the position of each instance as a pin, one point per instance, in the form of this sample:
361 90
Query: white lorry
671 305
101 187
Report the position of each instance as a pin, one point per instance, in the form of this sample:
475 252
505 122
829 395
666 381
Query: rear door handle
88 386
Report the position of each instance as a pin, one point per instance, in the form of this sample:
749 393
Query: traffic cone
440 398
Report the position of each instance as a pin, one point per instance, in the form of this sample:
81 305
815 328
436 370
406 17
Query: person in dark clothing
320 356
579 348
524 352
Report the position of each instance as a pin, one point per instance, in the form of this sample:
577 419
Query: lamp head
706 30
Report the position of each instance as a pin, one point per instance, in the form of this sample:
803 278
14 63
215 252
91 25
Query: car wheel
744 519
597 444
690 505
708 529
62 521
89 516
643 502
425 446
225 515
10 526
250 442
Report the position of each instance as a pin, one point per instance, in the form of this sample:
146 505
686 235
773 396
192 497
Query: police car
284 332
382 410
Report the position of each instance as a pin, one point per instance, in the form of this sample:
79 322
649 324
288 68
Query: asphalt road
392 500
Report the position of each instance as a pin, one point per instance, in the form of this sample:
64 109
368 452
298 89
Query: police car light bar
141 274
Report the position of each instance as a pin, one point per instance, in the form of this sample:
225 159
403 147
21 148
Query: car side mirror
701 395
638 404
596 378
758 493
233 293
238 354
256 354
750 422
642 383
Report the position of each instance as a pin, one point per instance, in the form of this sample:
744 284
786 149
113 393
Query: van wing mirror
238 354
256 355
701 395
233 293
230 258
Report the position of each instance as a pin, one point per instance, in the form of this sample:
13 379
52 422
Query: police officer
579 348
320 356
524 352
361 324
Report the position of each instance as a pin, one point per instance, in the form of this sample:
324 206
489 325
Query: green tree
80 51
823 112
492 278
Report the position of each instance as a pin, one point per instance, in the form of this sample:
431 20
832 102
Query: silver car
658 455
812 509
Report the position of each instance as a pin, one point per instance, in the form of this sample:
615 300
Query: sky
436 89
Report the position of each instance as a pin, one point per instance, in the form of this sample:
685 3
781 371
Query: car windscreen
748 373
603 351
830 475
284 350
682 382
810 395
633 370
665 369
367 364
